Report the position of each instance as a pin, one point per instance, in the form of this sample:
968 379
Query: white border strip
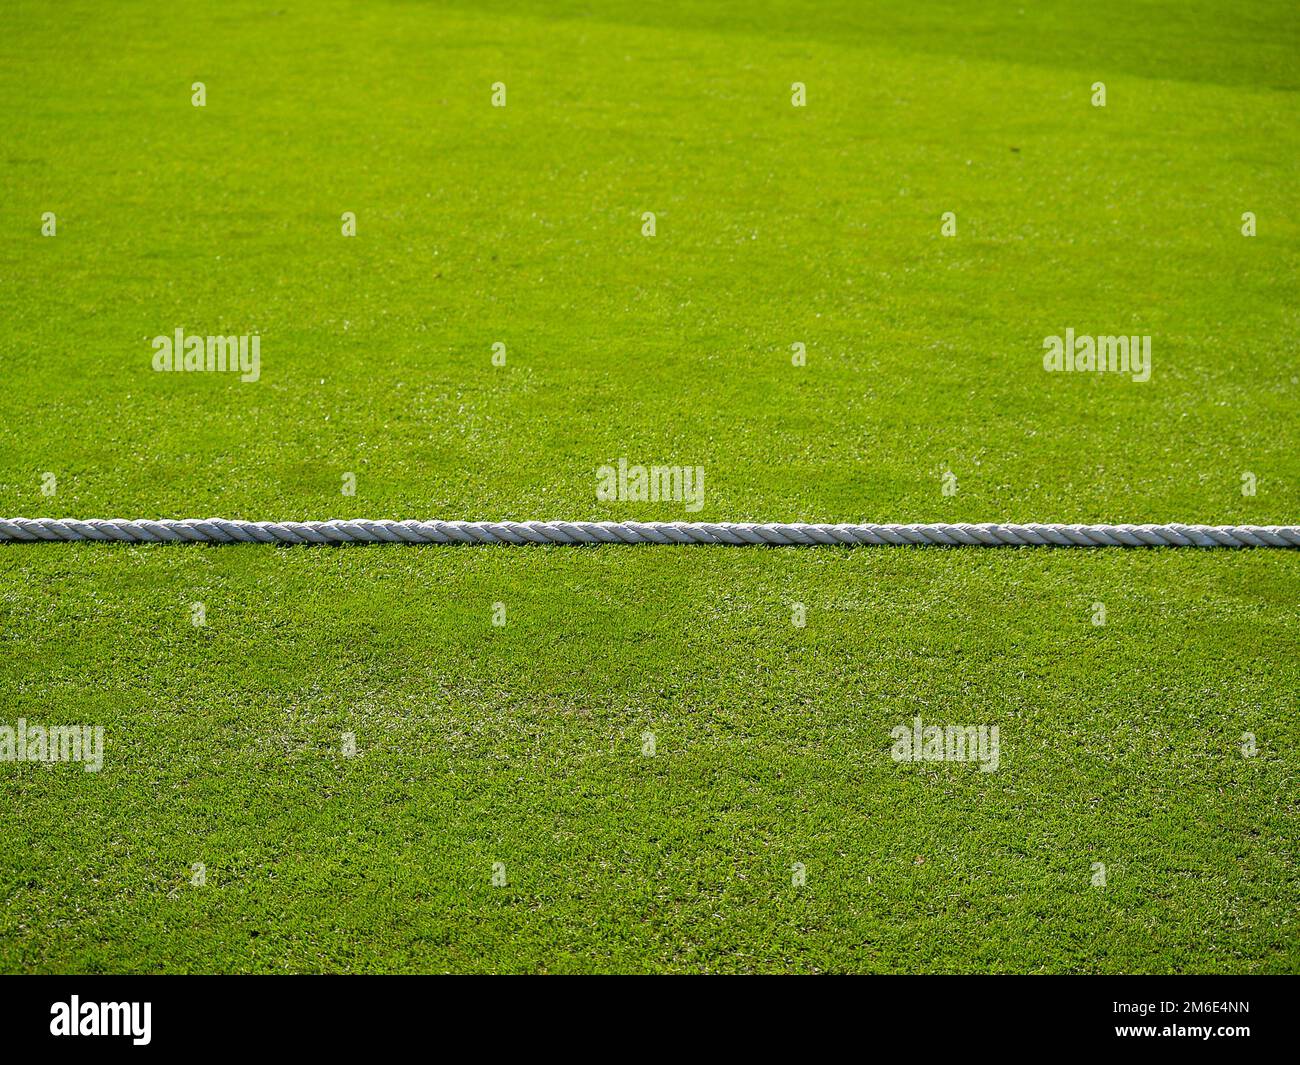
796 534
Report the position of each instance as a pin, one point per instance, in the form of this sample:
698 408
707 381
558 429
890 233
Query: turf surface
775 225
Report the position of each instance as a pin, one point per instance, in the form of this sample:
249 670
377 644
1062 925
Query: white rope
801 534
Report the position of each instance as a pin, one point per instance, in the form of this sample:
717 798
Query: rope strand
794 534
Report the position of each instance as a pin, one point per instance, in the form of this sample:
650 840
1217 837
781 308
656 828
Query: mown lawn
776 225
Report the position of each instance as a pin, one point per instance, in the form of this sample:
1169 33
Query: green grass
522 744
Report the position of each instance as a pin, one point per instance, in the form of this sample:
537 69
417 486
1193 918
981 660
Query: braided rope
801 534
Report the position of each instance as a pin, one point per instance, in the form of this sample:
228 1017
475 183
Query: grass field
775 225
